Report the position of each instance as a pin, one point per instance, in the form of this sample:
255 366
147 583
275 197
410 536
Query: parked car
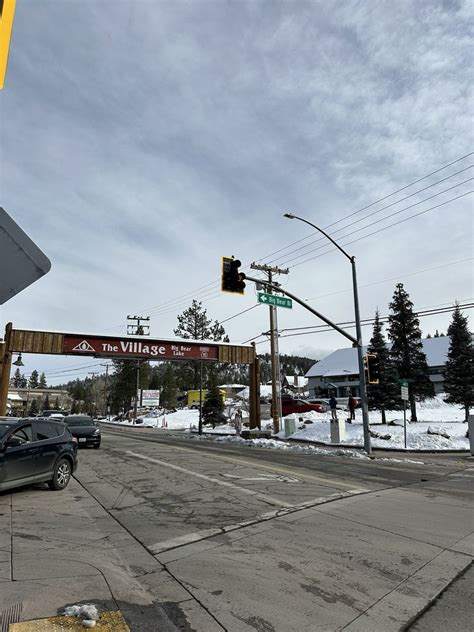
84 429
51 412
291 405
36 451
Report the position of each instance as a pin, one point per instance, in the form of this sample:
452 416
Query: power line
382 199
319 239
317 329
208 293
385 227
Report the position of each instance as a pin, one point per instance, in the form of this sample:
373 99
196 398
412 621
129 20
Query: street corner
108 621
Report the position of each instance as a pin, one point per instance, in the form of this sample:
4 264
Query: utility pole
137 329
274 351
106 412
92 374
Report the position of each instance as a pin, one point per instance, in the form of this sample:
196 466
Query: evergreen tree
23 381
33 408
213 406
42 381
168 392
74 408
428 336
459 372
407 348
194 324
124 384
56 403
386 394
33 381
16 379
46 405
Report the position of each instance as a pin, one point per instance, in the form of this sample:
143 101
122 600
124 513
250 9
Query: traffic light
373 368
7 11
232 279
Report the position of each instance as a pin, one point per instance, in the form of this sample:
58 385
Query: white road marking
242 490
197 536
268 478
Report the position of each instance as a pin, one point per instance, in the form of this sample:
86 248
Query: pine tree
194 324
42 381
407 348
46 405
33 381
124 384
168 392
384 395
459 372
74 408
33 408
213 406
23 381
16 379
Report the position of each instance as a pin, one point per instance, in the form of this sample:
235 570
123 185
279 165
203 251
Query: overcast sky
142 140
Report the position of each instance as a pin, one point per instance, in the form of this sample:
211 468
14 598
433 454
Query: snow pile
88 613
274 444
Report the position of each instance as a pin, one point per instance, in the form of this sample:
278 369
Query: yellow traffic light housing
7 11
231 279
372 366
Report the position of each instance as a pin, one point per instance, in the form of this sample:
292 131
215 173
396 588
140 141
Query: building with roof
297 384
19 400
338 372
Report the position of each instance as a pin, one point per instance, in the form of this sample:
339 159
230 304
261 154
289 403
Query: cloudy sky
142 140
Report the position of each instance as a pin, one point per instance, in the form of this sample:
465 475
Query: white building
339 371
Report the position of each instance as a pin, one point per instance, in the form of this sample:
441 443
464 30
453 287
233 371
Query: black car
36 451
84 429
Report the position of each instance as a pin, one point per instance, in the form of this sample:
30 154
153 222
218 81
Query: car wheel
61 476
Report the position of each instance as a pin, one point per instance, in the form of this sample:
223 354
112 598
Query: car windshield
78 421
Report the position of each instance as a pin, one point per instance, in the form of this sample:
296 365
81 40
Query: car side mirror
13 442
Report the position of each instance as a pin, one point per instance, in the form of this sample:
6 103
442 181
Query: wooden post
5 363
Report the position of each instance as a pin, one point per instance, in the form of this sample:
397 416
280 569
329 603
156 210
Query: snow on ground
433 414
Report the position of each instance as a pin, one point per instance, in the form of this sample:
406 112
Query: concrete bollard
338 431
290 427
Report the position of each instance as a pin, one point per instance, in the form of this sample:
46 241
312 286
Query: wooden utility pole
274 351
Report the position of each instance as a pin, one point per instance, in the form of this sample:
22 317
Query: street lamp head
19 361
289 215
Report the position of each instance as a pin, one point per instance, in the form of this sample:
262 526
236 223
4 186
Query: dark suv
35 451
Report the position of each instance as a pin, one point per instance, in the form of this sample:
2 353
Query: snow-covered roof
345 360
299 381
14 397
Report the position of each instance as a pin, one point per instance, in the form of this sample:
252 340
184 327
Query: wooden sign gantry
126 347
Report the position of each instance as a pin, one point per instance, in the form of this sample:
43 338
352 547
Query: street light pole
360 357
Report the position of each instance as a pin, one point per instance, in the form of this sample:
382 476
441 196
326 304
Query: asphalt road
273 541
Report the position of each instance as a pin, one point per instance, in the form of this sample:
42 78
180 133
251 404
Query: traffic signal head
373 368
232 280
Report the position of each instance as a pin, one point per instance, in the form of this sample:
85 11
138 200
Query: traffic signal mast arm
277 288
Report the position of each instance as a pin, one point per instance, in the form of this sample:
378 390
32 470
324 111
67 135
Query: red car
289 406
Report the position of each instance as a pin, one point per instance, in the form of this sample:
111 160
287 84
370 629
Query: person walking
352 403
238 422
333 407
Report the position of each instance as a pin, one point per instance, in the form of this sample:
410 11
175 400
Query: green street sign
403 383
276 301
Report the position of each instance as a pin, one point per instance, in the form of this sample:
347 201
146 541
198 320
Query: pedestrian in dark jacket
352 403
333 407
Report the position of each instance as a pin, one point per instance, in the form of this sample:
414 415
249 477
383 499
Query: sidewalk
62 548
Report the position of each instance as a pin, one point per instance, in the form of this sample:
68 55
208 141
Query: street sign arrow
276 301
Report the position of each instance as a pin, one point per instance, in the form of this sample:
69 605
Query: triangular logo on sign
83 346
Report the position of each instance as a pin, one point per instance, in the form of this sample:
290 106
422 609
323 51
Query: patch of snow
87 612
